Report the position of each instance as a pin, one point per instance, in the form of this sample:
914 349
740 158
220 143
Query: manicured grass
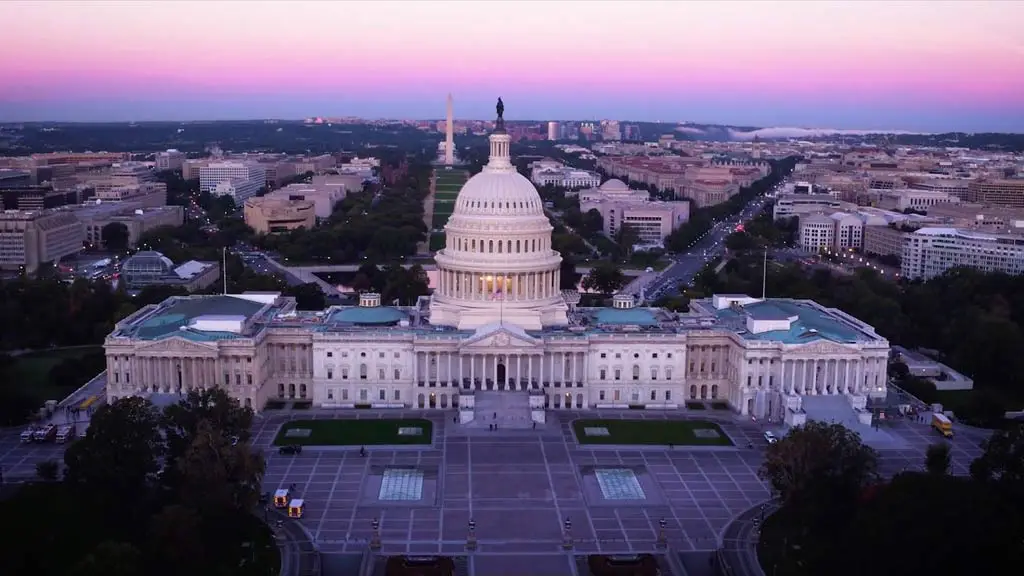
675 432
31 372
350 432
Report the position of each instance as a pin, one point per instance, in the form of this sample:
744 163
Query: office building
999 192
31 238
619 206
270 215
553 131
240 180
169 160
930 252
135 217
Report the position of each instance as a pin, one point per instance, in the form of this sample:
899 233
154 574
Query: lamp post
471 536
375 536
567 538
662 540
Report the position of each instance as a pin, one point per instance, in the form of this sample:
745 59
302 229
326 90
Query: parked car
770 437
290 449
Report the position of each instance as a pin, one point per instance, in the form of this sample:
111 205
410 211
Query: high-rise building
553 131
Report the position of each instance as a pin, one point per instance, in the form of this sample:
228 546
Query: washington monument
449 136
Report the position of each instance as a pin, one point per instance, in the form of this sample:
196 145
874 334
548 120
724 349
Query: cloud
783 132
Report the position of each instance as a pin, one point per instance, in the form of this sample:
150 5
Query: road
702 251
299 556
739 547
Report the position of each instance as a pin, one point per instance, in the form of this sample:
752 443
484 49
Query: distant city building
999 192
31 238
240 180
136 219
554 132
269 215
151 268
170 160
619 206
930 252
551 172
789 205
610 130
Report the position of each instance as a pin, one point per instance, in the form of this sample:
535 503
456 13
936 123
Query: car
290 449
770 437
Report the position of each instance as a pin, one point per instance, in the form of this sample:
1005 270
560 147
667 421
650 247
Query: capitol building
498 334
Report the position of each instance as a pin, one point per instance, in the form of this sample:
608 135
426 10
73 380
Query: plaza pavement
520 486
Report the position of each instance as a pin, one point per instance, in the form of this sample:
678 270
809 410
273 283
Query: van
942 424
45 434
65 433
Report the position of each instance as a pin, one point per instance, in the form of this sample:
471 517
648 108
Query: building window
654 373
362 395
618 375
248 379
344 393
380 355
238 379
330 375
380 374
398 374
330 354
603 374
398 395
636 372
362 371
655 355
344 373
227 379
383 394
600 395
654 394
330 394
616 396
604 355
668 373
668 395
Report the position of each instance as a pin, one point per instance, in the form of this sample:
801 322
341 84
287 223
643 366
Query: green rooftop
626 316
368 315
181 312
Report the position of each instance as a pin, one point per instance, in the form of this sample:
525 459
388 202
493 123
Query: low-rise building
31 238
931 251
240 180
620 205
150 268
135 217
1000 192
269 215
324 197
817 232
912 199
886 240
548 172
169 160
789 205
705 192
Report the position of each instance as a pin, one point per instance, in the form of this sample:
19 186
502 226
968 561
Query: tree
937 458
47 470
119 455
180 421
307 296
219 476
626 238
901 530
568 278
817 452
740 241
591 222
115 237
605 278
1003 458
111 558
176 541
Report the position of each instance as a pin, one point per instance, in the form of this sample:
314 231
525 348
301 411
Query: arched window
508 246
280 390
473 244
490 245
693 392
444 400
714 391
517 246
291 390
636 372
302 391
499 246
421 401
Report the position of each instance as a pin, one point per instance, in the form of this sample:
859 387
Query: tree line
147 491
840 516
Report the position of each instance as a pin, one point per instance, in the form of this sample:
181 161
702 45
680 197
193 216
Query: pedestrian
495 415
534 425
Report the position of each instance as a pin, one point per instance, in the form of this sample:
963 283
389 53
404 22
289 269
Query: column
472 370
529 370
519 370
448 374
575 358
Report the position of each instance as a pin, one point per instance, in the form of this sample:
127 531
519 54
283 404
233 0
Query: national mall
498 326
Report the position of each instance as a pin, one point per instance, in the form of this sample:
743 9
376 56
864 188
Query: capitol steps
508 409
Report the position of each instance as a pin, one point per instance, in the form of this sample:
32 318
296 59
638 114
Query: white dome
614 185
497 193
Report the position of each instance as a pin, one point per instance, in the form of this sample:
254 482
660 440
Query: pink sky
967 53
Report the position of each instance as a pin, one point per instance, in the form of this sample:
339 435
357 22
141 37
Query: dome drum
497 264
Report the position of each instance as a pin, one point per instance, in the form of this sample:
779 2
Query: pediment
823 348
176 345
498 339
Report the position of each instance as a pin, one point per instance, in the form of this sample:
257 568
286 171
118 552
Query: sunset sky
917 65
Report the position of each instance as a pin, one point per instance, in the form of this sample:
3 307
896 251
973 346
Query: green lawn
31 372
661 432
347 432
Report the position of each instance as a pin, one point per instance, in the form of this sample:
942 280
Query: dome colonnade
498 264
